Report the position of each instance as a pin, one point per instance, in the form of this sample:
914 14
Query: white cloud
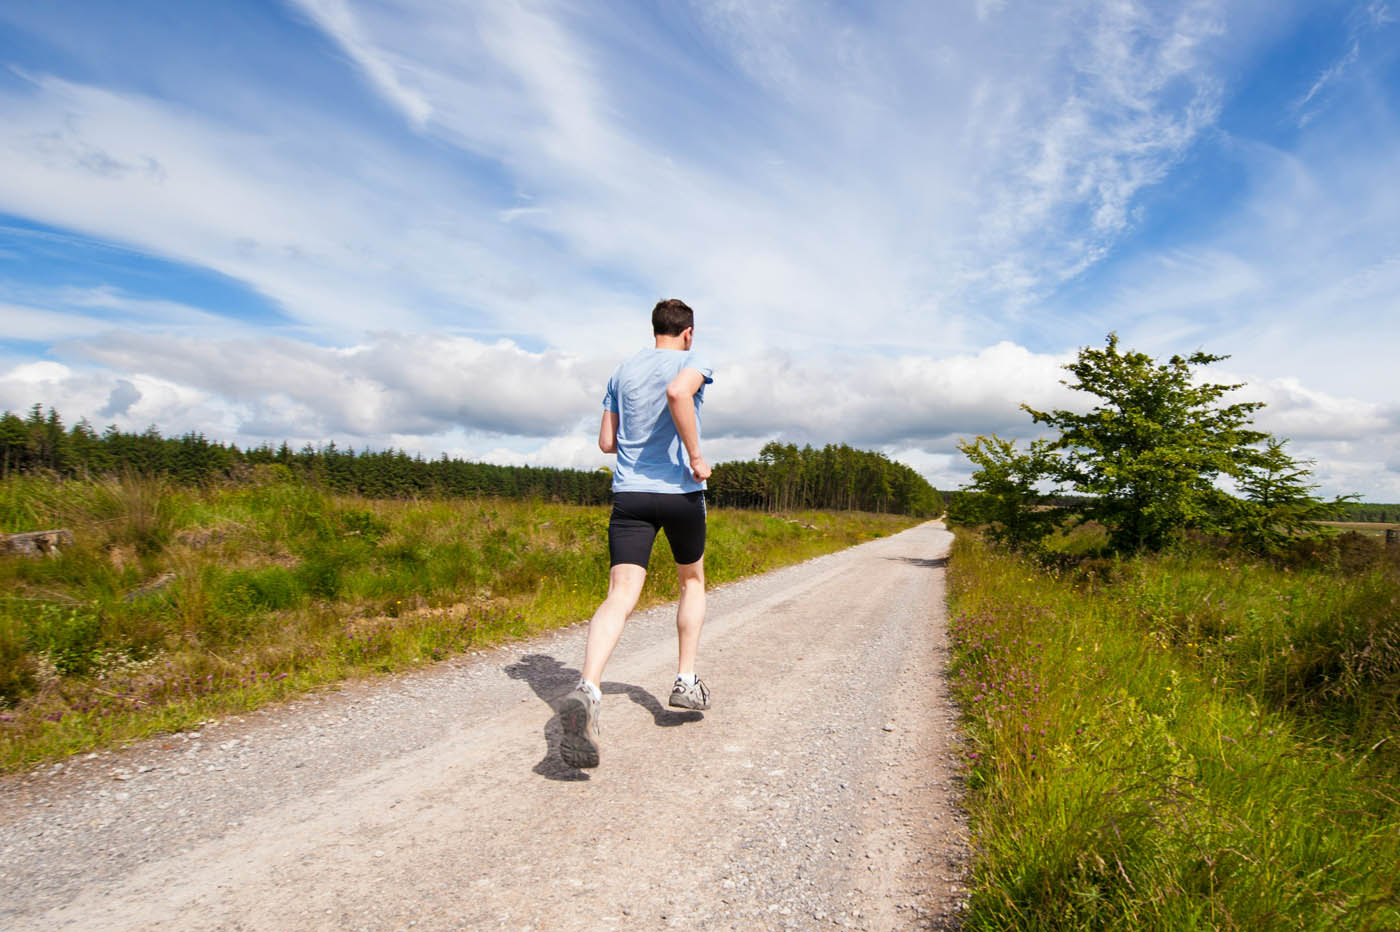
383 236
1329 76
500 403
21 322
849 187
400 390
394 384
1296 282
340 22
908 401
1307 415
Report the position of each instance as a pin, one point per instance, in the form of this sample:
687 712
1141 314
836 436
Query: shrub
270 589
17 667
70 636
325 564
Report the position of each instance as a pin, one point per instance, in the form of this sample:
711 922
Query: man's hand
699 468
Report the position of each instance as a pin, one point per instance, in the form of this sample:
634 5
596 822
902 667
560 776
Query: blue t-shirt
650 455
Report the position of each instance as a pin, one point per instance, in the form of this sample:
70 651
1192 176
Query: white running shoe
578 714
695 697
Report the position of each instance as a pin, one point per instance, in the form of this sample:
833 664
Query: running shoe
695 697
578 714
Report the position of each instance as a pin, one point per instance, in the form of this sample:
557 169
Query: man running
651 420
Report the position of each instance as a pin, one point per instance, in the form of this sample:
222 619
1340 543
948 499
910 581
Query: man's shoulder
700 363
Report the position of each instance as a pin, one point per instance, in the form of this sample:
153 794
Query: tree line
784 477
1365 511
836 477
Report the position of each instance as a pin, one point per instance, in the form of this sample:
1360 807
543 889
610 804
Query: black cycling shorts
637 516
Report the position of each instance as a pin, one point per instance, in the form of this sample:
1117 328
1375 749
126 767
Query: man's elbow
675 394
607 446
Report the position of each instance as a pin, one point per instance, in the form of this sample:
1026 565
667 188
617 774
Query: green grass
1178 742
275 587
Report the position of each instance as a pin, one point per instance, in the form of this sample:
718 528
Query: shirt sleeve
610 396
701 365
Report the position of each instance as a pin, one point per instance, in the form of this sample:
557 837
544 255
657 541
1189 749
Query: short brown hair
671 318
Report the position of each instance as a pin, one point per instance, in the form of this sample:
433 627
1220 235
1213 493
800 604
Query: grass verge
179 604
1157 747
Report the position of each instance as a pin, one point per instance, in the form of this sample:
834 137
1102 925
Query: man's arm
607 432
679 395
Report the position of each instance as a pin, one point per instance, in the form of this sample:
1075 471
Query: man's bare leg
605 629
690 613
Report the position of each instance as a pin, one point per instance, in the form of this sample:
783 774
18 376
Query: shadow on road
551 681
936 563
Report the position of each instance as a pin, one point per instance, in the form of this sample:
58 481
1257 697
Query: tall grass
1155 748
178 603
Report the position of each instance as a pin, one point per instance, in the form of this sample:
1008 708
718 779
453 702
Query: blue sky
438 226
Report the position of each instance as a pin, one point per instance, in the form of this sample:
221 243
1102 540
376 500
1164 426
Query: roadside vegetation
1188 740
1181 690
180 602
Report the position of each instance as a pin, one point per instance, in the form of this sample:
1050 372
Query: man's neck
668 342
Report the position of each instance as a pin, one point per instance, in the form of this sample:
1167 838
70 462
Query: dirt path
819 792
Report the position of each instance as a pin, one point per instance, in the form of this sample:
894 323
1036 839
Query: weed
68 636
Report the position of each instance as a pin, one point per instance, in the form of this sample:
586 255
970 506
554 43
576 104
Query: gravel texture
820 791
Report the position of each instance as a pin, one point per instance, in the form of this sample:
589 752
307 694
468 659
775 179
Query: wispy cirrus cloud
338 19
1329 76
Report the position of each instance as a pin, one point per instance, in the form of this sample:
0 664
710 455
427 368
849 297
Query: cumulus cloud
907 400
419 392
501 403
415 385
122 397
1294 410
393 384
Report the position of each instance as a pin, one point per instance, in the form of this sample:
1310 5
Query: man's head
671 318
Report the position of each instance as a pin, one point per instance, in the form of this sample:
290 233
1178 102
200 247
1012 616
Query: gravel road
819 792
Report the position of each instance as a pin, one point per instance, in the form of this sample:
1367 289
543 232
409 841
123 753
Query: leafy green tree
1004 493
1278 504
1150 452
12 443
